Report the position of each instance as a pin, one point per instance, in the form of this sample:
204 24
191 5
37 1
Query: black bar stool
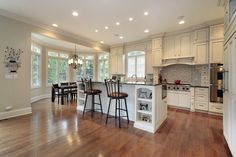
90 91
113 92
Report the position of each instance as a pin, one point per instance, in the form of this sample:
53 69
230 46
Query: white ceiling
95 14
60 44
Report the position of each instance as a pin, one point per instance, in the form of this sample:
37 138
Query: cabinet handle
201 105
218 108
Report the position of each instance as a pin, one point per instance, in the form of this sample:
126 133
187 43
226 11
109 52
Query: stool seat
116 95
93 91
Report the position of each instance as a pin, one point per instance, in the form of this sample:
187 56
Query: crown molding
74 38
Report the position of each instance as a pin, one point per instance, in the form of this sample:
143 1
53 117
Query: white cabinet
217 32
150 110
201 99
156 43
149 62
184 99
216 43
201 53
117 61
157 57
201 35
216 51
177 46
179 99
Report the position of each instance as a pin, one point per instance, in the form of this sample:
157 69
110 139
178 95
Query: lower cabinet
201 99
179 99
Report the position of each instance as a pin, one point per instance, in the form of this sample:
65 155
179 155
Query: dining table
62 88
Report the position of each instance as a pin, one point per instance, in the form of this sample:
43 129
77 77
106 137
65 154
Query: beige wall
17 92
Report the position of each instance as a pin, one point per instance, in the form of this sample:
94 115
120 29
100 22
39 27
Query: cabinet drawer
201 106
215 107
201 90
201 97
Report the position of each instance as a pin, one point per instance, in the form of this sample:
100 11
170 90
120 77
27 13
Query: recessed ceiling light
146 31
131 19
106 27
181 22
54 25
117 23
74 13
101 42
121 37
96 30
145 13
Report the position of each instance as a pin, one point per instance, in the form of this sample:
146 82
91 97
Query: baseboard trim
15 113
40 97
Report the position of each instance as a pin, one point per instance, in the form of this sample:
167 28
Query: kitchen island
146 105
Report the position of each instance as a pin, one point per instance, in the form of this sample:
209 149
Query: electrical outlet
8 108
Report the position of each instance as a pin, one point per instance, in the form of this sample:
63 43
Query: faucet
134 75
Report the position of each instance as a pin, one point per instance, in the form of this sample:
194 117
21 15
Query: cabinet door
120 63
217 32
233 124
149 64
201 53
156 43
184 99
201 35
172 98
169 49
216 51
113 63
185 45
157 57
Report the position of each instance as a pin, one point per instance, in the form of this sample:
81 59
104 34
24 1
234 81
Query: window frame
58 58
98 66
83 56
135 56
40 66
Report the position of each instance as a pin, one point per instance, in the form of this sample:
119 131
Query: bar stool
113 92
90 91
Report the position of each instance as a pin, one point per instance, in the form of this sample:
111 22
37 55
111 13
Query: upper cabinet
200 46
201 35
177 46
117 61
156 52
216 43
156 43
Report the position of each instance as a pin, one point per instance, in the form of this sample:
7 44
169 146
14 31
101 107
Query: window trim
98 74
127 57
40 66
57 51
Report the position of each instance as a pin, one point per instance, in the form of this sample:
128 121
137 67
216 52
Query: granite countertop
132 83
191 85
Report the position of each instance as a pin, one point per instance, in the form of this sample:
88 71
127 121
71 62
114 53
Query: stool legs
86 98
108 110
119 111
126 110
100 103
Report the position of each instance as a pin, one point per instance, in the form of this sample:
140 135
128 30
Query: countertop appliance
216 82
179 87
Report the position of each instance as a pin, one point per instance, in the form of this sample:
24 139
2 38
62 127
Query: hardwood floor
56 131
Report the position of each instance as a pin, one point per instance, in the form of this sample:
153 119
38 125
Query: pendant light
74 61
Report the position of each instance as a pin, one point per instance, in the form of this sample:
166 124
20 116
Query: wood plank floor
59 131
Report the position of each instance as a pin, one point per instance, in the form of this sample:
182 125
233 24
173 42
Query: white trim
15 113
40 97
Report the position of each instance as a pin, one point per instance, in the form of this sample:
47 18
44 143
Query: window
35 66
136 64
58 69
87 68
103 67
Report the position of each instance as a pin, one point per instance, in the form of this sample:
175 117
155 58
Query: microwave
232 8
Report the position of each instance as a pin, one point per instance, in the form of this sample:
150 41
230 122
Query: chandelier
75 60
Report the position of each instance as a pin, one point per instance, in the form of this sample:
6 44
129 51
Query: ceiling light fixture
131 19
106 27
54 25
75 60
101 42
121 37
146 31
181 22
74 13
117 23
145 13
96 30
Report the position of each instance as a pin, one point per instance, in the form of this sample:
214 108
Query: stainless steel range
179 87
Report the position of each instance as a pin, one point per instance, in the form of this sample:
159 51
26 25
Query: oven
216 82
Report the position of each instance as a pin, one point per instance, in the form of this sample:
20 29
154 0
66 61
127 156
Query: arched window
136 64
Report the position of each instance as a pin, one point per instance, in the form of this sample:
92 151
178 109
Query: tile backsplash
189 74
